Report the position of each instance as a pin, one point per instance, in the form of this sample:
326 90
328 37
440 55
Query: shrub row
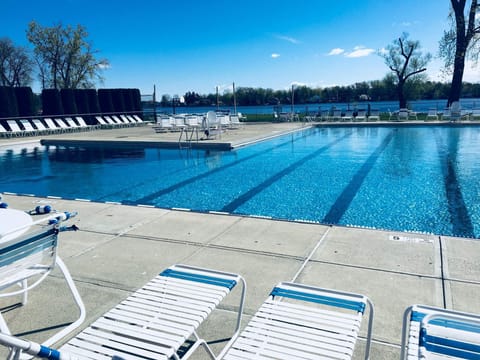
119 100
90 101
20 101
16 101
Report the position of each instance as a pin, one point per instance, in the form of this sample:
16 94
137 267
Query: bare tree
405 59
64 56
16 66
461 41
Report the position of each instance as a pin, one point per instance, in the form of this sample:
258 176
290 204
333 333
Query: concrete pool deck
119 248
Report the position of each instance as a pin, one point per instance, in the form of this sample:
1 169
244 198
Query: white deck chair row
122 120
26 127
296 321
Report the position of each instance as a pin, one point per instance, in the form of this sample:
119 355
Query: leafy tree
16 66
405 60
64 57
461 41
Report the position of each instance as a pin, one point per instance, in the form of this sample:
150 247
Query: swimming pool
409 178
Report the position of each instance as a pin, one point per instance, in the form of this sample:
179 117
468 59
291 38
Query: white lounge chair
29 129
336 115
81 122
119 121
52 125
28 254
39 125
62 124
235 122
126 120
303 322
4 132
109 120
347 116
432 115
164 123
130 117
100 120
71 123
456 112
138 118
374 115
475 114
361 115
402 115
431 332
14 128
154 322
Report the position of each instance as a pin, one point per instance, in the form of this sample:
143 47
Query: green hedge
105 100
68 101
25 101
81 100
128 99
117 100
93 104
52 102
137 102
8 102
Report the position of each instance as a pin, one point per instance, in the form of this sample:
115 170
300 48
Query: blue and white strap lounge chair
28 254
430 332
155 321
303 322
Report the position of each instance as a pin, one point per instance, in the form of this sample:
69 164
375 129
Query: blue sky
194 45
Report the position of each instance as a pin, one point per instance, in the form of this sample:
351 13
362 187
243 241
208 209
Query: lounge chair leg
25 293
198 342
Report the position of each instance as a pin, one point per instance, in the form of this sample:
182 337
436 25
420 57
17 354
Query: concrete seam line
310 255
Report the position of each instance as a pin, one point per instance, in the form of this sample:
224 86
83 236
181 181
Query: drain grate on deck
410 239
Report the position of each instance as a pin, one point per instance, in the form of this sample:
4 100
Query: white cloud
288 38
383 51
360 51
104 66
336 51
275 55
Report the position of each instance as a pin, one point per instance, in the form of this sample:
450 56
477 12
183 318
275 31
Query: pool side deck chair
27 257
436 333
152 323
303 322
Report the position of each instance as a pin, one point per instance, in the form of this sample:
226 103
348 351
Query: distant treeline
378 90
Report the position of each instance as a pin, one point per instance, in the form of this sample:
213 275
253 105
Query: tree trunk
456 87
402 101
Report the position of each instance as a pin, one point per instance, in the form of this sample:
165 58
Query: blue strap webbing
453 324
47 353
199 278
449 347
320 299
27 247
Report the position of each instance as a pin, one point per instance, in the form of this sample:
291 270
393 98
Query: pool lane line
459 215
343 202
149 198
242 199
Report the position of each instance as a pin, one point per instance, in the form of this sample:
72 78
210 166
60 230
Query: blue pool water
422 179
